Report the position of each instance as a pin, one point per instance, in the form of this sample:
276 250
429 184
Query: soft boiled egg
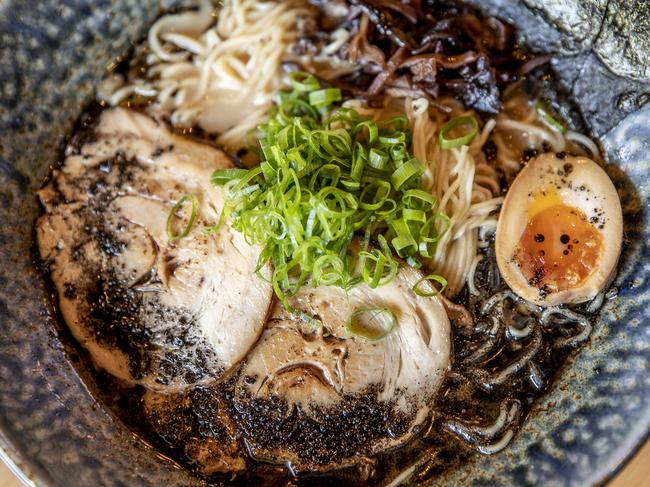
560 231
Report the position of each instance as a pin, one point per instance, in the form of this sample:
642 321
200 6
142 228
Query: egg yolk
559 248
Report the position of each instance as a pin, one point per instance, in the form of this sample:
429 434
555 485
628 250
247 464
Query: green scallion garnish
328 179
371 323
464 121
301 81
173 215
418 287
222 176
550 118
410 170
325 97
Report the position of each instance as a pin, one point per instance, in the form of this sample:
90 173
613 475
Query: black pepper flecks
160 150
565 239
69 290
270 424
538 275
539 238
118 315
529 154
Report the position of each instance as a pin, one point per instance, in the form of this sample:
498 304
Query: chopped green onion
172 214
301 81
375 192
406 172
222 176
373 130
377 269
467 121
412 215
546 113
326 176
377 159
371 323
398 122
328 270
325 97
398 152
416 198
417 288
404 243
357 167
215 228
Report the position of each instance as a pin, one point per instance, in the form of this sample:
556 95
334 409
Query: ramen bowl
53 430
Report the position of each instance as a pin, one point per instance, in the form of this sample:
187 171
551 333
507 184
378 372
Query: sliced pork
227 371
165 314
197 424
321 396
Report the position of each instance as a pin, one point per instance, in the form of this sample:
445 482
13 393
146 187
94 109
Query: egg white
580 183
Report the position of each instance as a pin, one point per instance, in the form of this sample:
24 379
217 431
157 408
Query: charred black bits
539 238
69 291
565 239
537 277
157 153
110 245
529 154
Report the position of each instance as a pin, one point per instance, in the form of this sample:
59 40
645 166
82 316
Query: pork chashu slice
150 311
320 397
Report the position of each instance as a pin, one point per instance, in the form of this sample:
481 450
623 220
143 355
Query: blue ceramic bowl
53 52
